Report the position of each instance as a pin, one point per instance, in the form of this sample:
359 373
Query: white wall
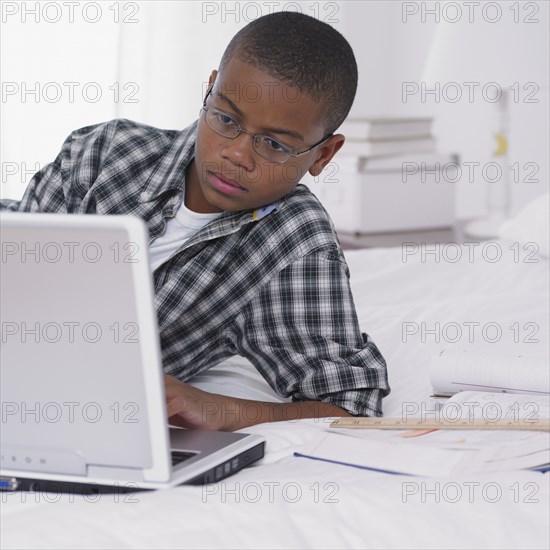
52 59
172 52
388 52
392 45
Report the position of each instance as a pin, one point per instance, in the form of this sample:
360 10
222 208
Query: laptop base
213 475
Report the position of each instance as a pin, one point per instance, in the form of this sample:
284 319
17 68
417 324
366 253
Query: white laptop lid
73 330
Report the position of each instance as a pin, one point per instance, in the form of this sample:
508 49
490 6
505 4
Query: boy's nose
240 150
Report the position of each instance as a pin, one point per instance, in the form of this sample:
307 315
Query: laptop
81 379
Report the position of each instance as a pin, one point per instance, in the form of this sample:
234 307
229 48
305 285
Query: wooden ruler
541 425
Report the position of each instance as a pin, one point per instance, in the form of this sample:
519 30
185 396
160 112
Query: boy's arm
60 187
49 177
190 407
54 189
302 334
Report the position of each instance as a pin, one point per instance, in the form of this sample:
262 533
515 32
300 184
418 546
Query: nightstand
455 234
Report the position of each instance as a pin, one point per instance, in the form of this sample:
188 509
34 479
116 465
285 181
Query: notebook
454 371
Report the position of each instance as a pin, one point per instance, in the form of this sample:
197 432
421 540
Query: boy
245 260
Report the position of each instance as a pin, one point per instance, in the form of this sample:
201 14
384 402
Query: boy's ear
212 78
325 154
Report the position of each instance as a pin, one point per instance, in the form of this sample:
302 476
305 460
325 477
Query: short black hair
304 52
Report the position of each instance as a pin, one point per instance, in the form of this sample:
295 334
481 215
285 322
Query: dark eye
275 145
224 119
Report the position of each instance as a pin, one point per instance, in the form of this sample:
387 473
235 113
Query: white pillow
531 224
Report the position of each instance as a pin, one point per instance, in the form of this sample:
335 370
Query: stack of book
387 177
378 142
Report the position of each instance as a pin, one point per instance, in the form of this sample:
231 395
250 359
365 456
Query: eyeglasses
266 146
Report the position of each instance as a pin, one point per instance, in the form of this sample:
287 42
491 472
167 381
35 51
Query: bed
285 501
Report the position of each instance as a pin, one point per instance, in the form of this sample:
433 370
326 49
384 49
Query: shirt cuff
367 402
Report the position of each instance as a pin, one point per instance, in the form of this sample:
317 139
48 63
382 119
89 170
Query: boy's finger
175 405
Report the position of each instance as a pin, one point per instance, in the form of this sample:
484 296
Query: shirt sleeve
47 181
60 186
301 333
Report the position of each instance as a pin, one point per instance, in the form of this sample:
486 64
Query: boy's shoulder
301 224
120 144
303 206
120 138
119 129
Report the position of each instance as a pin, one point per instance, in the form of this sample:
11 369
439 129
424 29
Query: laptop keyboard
179 456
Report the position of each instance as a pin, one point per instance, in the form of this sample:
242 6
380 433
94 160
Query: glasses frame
293 153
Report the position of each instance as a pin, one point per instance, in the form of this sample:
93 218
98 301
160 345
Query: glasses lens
222 123
271 149
265 146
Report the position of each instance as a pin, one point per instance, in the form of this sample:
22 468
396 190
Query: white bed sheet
289 502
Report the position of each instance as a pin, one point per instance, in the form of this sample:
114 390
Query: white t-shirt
178 230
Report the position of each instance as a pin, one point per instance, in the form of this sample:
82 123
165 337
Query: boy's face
260 104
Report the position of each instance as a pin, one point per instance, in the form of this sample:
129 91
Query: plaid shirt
271 285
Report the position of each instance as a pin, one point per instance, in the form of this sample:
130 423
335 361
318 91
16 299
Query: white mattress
290 502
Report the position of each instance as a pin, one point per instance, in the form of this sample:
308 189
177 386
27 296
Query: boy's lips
224 183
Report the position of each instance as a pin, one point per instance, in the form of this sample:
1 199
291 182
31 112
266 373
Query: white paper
494 407
440 453
451 372
388 456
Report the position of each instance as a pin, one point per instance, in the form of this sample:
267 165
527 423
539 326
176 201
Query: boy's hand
189 407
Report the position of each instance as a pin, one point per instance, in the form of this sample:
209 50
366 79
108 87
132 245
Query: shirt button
144 195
